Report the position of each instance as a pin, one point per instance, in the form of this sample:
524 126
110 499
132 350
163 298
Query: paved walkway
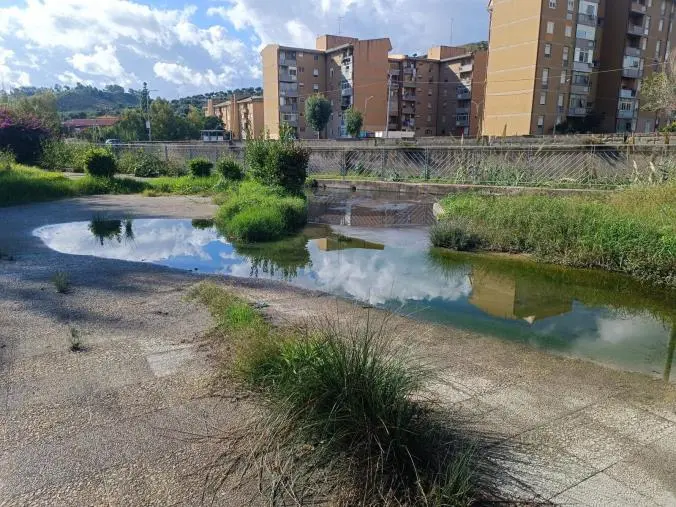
118 424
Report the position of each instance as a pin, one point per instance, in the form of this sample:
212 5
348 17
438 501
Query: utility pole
387 112
340 19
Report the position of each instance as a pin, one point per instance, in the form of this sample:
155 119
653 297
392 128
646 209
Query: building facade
544 58
349 72
243 118
556 64
637 41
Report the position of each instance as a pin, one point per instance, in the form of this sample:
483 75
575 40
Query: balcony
290 92
462 123
291 119
464 96
586 19
462 110
634 29
624 114
394 72
582 67
632 73
626 93
467 82
285 76
466 68
638 8
346 92
394 108
407 110
409 97
288 108
577 111
632 51
579 89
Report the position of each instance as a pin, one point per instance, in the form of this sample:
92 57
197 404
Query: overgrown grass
252 212
631 231
22 184
347 418
61 282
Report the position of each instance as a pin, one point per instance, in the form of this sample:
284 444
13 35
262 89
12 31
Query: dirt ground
131 419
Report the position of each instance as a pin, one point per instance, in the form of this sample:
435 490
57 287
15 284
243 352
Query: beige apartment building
243 118
579 62
543 64
638 36
347 71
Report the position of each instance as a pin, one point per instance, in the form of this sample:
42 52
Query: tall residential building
438 94
543 64
243 118
347 71
638 36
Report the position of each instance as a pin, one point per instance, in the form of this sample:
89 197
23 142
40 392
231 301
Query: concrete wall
478 92
514 43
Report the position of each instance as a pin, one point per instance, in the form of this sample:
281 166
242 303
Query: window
543 98
429 118
661 25
550 27
445 92
560 100
647 25
663 7
583 55
545 76
443 118
301 84
566 49
658 46
563 77
644 43
429 92
331 72
552 4
300 54
571 5
548 50
429 105
315 72
569 31
316 58
541 121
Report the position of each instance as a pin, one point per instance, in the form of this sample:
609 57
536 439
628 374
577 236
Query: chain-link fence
591 166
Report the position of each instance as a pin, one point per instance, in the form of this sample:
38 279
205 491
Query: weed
75 340
454 234
200 167
348 417
61 282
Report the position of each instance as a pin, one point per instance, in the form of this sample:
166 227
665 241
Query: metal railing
583 166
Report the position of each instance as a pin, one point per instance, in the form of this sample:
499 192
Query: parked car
113 142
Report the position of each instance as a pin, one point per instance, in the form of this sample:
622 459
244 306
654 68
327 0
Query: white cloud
71 79
102 62
182 75
9 77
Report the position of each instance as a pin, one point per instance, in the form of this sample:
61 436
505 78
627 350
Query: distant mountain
477 46
83 101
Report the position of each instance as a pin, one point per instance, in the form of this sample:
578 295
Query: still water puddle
595 316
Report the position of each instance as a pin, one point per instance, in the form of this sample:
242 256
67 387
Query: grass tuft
75 340
61 282
346 418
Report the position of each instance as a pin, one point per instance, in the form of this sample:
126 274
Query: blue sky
182 48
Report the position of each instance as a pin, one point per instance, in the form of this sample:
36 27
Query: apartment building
349 72
638 36
544 60
243 118
438 94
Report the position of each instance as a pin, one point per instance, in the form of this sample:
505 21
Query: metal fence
541 165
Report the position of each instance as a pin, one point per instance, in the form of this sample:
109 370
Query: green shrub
6 160
141 164
100 163
58 155
278 163
61 282
229 169
200 167
253 212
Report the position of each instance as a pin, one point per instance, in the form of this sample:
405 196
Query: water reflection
592 315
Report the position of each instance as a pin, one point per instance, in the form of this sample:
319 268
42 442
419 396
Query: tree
353 122
317 112
131 127
195 121
658 91
213 123
41 105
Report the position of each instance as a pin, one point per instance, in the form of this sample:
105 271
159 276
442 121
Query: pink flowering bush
22 135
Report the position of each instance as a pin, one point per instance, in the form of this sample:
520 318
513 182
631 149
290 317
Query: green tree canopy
353 122
317 112
42 105
130 128
658 91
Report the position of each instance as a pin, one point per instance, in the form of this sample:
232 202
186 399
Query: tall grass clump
280 163
200 167
347 418
100 163
229 169
253 212
6 160
631 231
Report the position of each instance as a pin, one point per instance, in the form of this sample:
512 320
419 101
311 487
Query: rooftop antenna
340 19
450 39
